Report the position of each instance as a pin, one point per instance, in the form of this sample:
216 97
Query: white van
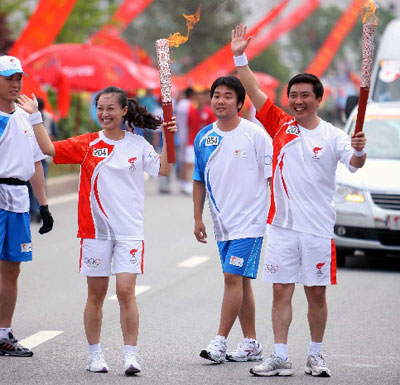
385 82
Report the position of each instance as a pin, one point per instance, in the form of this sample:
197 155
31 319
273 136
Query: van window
383 137
387 85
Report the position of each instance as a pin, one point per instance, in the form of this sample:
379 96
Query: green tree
85 19
16 10
217 19
308 37
270 63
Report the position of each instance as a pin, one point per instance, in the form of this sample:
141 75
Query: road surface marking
38 338
63 199
360 356
193 261
356 365
139 289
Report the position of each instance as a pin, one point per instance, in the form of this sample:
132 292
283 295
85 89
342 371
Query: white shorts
189 154
101 258
292 256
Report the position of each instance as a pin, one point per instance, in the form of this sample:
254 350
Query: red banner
125 13
217 64
260 43
43 27
342 28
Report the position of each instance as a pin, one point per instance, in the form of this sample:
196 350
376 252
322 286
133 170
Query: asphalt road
179 303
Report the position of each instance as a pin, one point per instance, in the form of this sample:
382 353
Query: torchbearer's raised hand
27 104
358 141
239 41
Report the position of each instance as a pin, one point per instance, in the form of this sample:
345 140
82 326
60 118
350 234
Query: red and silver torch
368 47
164 68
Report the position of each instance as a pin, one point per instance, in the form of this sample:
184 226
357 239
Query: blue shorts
15 237
241 256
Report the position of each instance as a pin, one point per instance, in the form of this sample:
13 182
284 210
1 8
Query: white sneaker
97 363
316 366
246 351
131 365
273 366
215 351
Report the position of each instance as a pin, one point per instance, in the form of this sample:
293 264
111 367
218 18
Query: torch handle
169 136
362 105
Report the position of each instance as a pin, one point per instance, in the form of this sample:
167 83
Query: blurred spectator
52 130
187 119
205 112
147 99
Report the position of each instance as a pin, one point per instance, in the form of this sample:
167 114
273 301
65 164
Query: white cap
10 65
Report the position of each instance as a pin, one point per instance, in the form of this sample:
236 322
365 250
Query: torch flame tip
369 16
176 39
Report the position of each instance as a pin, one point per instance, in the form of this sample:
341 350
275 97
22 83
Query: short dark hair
318 88
233 83
189 92
40 104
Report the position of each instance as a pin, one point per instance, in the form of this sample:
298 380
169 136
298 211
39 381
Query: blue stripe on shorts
15 237
241 256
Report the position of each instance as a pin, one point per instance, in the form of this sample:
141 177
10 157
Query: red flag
41 30
260 43
217 64
342 28
43 27
125 13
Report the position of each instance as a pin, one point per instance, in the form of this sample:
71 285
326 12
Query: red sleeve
210 116
73 150
272 117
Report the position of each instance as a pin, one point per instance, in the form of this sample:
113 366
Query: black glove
47 220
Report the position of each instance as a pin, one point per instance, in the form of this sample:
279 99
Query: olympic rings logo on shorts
271 268
92 263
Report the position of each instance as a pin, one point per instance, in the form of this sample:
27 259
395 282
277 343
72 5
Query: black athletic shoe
10 347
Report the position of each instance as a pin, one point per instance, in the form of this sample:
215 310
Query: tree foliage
307 38
217 19
86 19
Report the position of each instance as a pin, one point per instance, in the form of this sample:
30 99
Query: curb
60 185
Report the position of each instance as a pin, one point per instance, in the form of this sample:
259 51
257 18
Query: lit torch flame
369 13
177 39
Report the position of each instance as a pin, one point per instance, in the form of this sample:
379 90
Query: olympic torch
368 47
164 69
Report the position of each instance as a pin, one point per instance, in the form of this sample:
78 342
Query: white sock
130 348
4 332
315 348
220 338
249 340
281 351
94 348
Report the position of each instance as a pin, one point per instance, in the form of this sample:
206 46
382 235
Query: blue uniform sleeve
199 166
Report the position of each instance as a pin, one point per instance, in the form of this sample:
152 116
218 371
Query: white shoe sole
278 372
323 373
132 371
244 359
104 370
207 356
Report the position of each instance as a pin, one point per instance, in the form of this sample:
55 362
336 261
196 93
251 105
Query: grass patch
62 169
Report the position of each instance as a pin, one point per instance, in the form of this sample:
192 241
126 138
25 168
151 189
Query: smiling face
10 89
303 103
110 112
224 103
